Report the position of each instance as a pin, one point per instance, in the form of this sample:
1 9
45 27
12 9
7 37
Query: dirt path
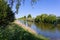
24 27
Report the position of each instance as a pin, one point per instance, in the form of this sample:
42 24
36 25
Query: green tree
6 14
51 18
38 19
6 10
29 16
18 3
25 17
43 17
46 18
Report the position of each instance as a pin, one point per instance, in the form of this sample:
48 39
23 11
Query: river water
46 30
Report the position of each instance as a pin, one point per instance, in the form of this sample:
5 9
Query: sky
41 7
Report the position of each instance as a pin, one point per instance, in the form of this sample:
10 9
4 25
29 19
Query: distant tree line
47 18
24 17
44 18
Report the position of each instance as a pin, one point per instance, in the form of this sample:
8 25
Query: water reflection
45 29
29 24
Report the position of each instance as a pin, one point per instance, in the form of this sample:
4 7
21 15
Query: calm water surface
47 30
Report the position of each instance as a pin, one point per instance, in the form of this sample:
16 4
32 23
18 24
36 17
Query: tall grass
14 32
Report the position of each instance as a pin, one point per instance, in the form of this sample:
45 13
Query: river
46 30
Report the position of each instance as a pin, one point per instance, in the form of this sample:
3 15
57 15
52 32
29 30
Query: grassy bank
14 32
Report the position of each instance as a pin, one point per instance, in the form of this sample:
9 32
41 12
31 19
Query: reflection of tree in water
29 23
46 27
25 22
58 27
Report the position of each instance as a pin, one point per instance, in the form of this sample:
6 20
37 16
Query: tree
38 19
51 18
18 3
43 17
29 16
6 14
46 18
25 17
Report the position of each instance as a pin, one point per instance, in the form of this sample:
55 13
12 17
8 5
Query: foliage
29 16
46 18
6 14
25 17
15 32
51 18
18 3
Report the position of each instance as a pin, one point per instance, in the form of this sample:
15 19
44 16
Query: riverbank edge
28 29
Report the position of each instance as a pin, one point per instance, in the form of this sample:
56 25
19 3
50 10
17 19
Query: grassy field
14 32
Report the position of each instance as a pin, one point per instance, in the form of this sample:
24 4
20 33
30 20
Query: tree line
47 18
26 17
44 18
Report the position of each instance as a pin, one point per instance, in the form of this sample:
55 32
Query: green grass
14 32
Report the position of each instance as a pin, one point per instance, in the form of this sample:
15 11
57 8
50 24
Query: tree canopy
18 3
29 16
6 14
46 18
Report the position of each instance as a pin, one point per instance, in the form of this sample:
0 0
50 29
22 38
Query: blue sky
41 7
